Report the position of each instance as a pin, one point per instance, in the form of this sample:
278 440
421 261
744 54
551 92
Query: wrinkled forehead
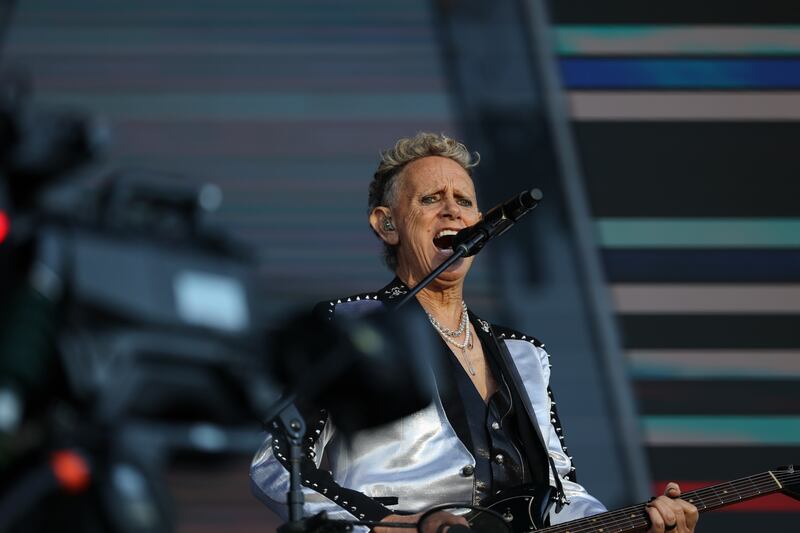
435 173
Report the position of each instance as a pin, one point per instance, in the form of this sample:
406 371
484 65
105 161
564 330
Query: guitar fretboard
634 518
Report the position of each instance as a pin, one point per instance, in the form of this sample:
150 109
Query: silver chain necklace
449 332
451 335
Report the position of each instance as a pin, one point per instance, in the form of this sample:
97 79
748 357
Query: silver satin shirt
419 459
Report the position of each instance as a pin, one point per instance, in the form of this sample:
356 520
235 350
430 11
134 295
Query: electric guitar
526 509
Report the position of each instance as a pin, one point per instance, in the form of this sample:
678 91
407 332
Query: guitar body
523 509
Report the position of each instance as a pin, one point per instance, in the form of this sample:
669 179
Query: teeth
445 232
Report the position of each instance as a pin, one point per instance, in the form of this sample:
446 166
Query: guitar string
615 518
586 524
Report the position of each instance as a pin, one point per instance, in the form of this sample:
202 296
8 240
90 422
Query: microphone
496 222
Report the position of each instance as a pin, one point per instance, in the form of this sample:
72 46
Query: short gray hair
383 186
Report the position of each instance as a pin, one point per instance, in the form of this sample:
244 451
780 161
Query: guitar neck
635 518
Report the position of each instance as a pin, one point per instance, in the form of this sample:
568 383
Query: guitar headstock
789 478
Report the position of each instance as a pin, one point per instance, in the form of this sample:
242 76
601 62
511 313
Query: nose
450 208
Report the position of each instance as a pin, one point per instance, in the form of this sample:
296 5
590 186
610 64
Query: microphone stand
291 423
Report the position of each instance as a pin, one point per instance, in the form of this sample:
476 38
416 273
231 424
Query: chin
457 271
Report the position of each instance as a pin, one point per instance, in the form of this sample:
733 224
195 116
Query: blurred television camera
131 330
128 329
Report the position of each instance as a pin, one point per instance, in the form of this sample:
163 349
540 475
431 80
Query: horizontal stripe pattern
691 169
262 106
686 117
680 40
728 462
719 397
685 265
750 332
721 430
679 73
698 233
664 106
681 12
714 364
698 298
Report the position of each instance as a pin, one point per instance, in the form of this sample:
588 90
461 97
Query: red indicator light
71 470
5 225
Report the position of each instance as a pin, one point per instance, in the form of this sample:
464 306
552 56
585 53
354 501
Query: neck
440 298
444 304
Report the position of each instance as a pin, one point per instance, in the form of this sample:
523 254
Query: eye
465 202
427 200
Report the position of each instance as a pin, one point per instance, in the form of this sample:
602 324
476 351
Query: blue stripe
663 73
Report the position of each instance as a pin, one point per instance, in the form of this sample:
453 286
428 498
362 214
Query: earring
387 224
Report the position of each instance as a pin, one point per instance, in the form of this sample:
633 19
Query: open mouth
444 239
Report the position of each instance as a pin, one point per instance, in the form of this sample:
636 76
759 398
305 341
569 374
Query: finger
656 522
691 514
664 507
672 490
677 506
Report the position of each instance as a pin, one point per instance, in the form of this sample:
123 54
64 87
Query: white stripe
684 105
691 298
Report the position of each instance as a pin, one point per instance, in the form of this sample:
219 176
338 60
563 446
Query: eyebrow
456 192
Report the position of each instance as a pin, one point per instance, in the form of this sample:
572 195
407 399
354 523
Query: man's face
433 200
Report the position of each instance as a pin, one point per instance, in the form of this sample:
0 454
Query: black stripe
689 265
702 169
710 331
717 463
674 12
704 397
748 521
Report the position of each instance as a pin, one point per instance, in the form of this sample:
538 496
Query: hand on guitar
669 513
432 524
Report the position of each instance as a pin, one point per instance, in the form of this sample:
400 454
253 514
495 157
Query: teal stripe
677 39
726 430
664 371
259 106
698 233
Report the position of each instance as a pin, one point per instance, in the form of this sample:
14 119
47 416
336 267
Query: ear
376 220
